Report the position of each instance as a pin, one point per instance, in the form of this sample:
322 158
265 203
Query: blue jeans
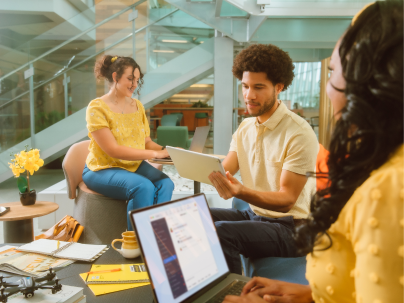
145 187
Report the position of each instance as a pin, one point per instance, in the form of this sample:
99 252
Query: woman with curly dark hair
354 236
120 140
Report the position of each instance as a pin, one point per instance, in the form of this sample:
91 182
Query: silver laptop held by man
182 252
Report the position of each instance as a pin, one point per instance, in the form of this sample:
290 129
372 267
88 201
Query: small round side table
18 222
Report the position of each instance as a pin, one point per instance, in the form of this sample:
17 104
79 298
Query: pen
103 271
58 245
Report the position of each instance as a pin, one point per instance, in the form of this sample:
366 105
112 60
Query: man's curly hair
269 59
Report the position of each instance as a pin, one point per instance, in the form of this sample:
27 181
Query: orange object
321 167
103 271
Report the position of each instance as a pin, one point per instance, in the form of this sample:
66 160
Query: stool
103 218
201 116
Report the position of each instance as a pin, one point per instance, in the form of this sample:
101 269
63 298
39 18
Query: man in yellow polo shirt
273 151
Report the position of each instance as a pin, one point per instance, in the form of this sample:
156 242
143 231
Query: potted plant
29 161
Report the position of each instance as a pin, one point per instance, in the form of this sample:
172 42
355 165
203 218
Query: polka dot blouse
129 130
365 261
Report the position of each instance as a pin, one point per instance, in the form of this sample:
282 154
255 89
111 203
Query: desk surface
21 212
141 294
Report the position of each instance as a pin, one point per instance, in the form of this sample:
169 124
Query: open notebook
67 250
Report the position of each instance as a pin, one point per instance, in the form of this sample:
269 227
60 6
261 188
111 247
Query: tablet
195 166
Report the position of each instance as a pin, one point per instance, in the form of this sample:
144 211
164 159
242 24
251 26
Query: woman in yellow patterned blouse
120 140
354 237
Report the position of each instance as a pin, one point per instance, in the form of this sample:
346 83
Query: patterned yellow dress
365 261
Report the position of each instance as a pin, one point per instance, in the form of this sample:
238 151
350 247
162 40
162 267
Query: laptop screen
180 247
199 139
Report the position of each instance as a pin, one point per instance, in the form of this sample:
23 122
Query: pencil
58 245
103 271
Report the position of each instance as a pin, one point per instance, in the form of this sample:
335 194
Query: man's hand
227 187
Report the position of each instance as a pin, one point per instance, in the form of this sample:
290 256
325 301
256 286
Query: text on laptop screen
181 248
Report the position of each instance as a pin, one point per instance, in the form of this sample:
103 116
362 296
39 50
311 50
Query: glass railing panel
174 36
14 123
76 24
49 104
229 10
83 86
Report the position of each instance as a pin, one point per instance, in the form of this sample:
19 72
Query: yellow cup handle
116 240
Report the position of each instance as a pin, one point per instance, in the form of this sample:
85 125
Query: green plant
199 104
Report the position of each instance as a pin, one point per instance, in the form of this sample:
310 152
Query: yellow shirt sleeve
375 225
96 116
233 143
302 152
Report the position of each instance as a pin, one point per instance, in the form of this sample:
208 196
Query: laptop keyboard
233 288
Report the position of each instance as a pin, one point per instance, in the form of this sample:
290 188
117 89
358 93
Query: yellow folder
115 281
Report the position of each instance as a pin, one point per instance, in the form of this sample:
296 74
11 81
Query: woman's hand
277 291
160 154
249 298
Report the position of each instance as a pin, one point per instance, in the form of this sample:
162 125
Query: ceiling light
201 85
201 42
162 51
175 41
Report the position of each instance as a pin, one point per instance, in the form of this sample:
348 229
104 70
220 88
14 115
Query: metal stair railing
32 88
90 57
73 38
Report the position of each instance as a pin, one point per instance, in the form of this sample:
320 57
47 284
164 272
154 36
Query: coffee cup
130 248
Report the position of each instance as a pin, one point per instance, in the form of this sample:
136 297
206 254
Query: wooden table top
21 212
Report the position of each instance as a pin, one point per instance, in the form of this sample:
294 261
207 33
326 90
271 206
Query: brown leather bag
67 229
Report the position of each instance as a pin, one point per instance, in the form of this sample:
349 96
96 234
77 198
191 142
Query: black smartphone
3 210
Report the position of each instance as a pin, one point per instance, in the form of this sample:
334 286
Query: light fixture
201 42
162 51
175 41
201 85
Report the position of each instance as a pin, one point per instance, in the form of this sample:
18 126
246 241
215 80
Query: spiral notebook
66 250
128 273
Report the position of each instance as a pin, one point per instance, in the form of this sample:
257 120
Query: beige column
326 113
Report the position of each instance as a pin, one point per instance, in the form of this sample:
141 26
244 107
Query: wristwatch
164 147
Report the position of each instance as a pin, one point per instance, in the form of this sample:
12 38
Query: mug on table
130 248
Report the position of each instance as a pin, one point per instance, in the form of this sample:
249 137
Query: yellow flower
16 170
33 162
29 161
20 159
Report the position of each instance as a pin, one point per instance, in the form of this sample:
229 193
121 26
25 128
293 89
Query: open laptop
182 252
197 144
199 139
